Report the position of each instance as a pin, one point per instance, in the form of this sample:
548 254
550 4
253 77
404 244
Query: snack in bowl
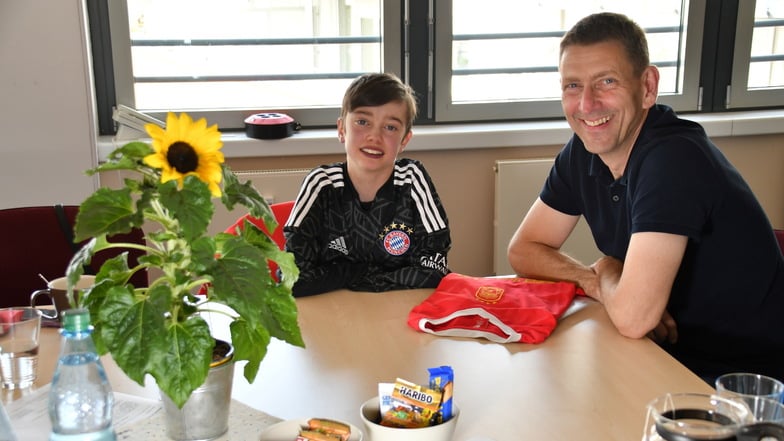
322 429
412 405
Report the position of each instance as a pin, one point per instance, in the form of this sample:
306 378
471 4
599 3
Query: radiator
277 185
517 185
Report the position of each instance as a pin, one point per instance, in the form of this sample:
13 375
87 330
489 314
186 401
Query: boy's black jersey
398 241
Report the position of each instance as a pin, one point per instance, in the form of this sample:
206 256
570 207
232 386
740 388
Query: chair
780 237
33 243
281 211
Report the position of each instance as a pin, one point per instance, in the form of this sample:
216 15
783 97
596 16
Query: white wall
47 134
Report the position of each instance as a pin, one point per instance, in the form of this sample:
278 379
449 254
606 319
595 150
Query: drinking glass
752 389
693 417
20 328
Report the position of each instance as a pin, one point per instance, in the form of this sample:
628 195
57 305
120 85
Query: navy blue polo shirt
728 295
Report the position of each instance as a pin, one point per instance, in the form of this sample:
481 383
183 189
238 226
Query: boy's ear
405 140
341 130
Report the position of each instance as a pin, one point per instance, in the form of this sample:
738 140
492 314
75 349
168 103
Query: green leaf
136 150
127 157
203 253
271 250
249 344
246 195
241 280
143 341
180 360
191 206
116 269
279 316
80 259
130 326
106 212
239 276
92 300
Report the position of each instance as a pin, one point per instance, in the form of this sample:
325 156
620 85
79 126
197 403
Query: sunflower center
182 157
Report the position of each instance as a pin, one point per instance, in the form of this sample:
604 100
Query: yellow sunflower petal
154 130
156 160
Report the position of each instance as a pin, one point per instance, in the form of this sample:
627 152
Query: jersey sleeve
304 235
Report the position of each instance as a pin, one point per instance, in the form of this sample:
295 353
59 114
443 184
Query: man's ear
650 84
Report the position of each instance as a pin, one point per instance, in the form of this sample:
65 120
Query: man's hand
666 330
608 273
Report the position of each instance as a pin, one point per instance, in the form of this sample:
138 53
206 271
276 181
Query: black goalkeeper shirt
399 240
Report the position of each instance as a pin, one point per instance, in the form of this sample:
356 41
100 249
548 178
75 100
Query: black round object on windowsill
270 126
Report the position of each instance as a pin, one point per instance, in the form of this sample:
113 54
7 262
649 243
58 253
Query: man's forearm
540 261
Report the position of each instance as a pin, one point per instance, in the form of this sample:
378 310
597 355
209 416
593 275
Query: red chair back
281 211
780 238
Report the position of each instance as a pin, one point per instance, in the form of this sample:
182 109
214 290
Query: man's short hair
609 26
377 89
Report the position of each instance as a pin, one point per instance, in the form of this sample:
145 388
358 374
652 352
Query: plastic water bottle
80 401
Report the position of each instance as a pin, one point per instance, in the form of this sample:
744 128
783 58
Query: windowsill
471 136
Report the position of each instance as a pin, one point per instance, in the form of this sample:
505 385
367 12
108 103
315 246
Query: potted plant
157 329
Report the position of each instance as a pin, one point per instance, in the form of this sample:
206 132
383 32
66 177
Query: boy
373 222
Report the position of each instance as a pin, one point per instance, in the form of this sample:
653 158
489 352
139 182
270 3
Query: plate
289 429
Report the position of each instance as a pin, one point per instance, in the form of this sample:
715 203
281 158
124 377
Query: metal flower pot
205 415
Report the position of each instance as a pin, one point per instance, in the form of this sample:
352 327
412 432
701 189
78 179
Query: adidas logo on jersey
338 244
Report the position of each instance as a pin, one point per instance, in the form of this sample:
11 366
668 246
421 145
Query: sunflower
187 148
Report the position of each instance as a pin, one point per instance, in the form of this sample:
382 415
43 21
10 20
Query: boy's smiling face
374 136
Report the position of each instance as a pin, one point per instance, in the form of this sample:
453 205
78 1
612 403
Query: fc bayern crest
396 242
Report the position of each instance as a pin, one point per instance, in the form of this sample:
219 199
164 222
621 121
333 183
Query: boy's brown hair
377 89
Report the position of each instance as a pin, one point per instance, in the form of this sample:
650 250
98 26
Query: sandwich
321 429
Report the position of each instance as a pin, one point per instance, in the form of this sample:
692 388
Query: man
690 256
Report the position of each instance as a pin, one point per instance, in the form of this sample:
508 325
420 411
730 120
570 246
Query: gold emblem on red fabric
489 294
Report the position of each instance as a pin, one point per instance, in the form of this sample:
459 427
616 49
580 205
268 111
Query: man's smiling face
603 99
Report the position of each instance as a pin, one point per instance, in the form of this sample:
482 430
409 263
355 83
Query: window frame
739 96
417 46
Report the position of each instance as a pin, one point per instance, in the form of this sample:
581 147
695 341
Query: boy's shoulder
332 172
407 166
406 161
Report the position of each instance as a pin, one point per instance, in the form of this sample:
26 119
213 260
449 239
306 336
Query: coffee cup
56 291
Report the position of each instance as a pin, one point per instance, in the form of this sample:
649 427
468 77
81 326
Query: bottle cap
76 319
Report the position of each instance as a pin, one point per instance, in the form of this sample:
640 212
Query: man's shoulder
663 121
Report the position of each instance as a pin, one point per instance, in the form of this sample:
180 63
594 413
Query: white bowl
371 415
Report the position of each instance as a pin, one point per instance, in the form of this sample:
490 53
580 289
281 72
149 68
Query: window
758 68
507 64
467 60
232 58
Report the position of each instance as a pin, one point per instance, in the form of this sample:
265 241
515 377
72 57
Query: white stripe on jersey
317 179
422 195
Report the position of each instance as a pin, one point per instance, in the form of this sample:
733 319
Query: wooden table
585 382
